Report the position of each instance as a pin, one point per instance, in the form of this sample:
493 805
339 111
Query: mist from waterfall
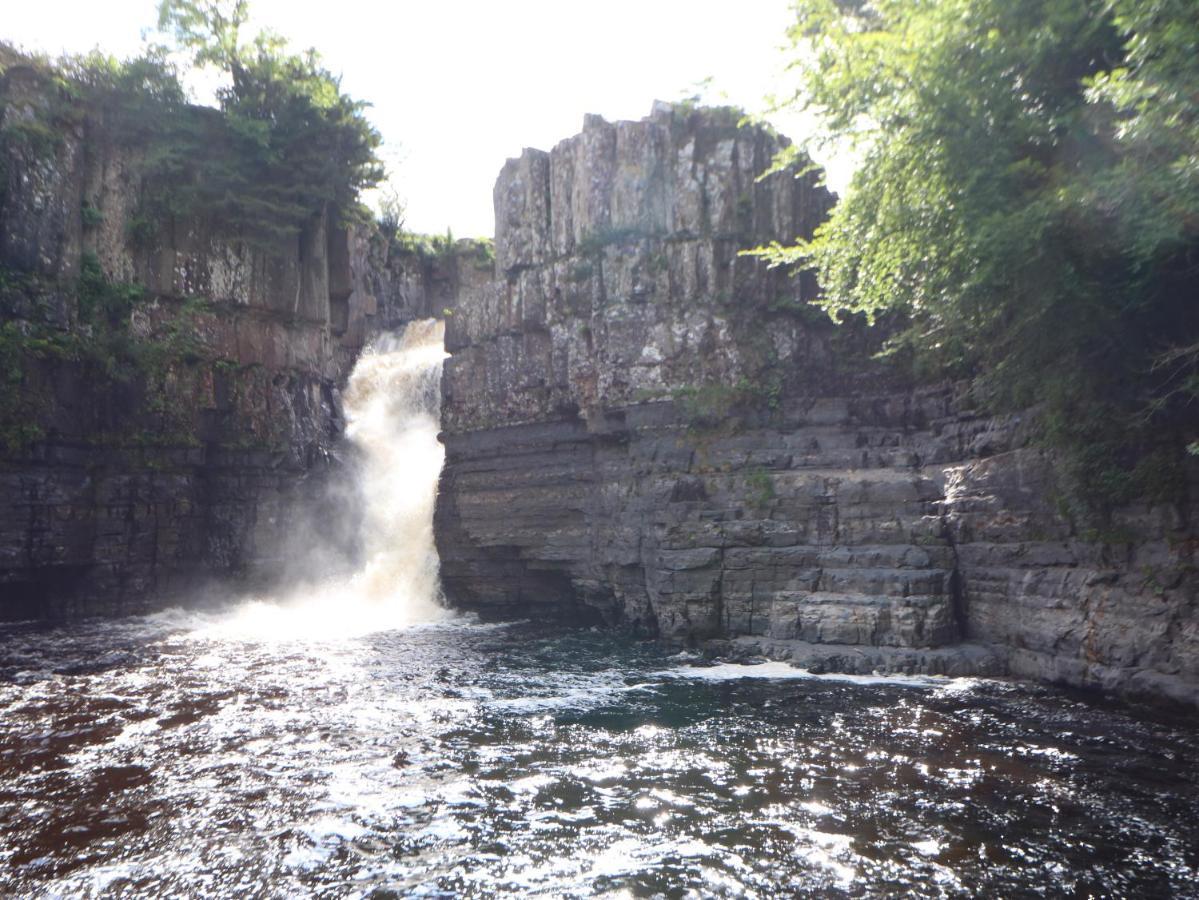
392 406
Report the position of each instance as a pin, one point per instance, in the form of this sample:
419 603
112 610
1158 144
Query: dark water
146 758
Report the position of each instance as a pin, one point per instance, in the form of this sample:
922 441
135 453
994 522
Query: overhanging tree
1027 206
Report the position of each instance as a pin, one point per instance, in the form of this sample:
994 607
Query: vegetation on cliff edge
283 147
292 143
284 144
1027 205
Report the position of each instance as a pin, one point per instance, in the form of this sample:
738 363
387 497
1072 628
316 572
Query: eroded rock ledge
644 427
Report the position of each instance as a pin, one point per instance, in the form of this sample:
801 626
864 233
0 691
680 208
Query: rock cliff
646 428
643 426
171 386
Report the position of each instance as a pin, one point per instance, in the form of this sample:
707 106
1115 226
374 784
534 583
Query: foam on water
451 758
782 670
392 406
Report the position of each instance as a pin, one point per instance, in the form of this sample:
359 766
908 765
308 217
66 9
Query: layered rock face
1117 610
179 434
643 426
646 428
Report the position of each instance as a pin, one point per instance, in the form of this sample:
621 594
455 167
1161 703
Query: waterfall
392 405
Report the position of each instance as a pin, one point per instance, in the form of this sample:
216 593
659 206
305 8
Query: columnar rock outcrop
645 427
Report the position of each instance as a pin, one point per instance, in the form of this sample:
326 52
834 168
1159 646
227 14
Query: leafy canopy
1027 204
286 145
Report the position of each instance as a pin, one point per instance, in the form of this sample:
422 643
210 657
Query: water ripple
168 756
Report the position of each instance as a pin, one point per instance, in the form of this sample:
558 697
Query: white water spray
392 407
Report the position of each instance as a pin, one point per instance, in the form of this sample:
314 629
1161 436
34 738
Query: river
352 738
168 756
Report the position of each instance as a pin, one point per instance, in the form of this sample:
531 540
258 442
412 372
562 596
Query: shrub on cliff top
1027 201
284 145
293 141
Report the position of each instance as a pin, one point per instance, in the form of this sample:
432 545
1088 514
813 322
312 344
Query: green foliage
717 115
715 406
1102 467
209 29
289 143
90 215
426 246
484 248
19 426
39 138
595 242
1026 208
101 303
140 230
761 487
391 215
797 307
285 145
705 406
432 248
106 355
40 130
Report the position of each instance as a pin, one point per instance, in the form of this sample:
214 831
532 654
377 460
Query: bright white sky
458 86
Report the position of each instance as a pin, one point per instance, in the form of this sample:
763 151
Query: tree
292 144
209 29
1027 207
391 212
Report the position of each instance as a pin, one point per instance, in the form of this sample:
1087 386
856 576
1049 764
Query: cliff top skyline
456 89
